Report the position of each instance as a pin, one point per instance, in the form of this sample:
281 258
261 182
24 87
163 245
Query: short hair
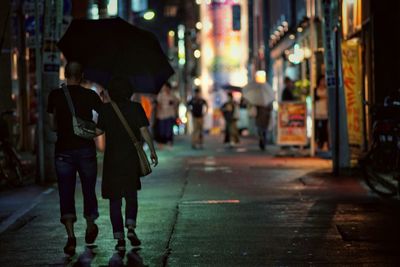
320 78
287 79
168 84
230 95
119 88
73 70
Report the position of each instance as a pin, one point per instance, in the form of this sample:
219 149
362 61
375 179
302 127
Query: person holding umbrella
261 96
121 163
108 48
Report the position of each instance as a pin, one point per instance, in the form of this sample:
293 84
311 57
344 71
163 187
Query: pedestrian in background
263 115
321 114
121 162
74 154
167 112
287 93
230 110
198 107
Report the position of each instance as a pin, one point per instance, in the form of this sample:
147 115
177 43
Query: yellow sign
352 80
292 123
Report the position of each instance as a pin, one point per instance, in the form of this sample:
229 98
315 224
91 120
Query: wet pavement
220 207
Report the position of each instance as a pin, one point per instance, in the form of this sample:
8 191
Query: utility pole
5 55
22 78
41 102
53 15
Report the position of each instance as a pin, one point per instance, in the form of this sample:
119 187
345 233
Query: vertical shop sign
352 81
30 27
52 30
236 17
292 123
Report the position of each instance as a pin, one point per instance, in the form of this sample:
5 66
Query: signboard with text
352 81
292 123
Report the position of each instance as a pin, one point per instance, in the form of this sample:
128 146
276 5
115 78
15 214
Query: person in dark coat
287 93
121 162
262 122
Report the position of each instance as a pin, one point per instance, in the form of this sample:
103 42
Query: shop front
298 58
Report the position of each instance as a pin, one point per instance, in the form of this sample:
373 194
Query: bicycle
11 169
381 163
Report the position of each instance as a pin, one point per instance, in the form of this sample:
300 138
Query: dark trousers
165 131
321 132
68 164
262 136
131 210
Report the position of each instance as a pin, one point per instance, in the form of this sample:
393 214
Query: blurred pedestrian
121 162
230 110
74 154
198 107
287 93
167 112
321 114
263 115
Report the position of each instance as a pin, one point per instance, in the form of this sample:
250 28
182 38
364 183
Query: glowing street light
149 15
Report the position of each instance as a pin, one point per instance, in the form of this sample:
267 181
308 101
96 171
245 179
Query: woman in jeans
121 163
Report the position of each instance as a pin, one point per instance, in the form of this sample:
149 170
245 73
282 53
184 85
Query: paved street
222 207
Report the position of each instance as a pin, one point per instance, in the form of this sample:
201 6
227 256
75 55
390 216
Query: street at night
260 133
227 207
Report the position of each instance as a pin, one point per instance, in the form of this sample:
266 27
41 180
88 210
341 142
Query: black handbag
82 128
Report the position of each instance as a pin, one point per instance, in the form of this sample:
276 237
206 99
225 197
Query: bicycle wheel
379 177
12 171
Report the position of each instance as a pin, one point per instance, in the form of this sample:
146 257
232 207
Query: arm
149 140
99 131
52 122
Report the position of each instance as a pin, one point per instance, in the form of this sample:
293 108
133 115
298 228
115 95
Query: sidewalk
224 207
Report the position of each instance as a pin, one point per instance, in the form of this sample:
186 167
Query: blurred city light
149 15
94 12
261 76
112 7
197 81
197 53
199 25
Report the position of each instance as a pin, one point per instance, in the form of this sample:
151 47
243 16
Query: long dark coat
121 162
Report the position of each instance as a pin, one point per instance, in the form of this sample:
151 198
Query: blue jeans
131 210
68 164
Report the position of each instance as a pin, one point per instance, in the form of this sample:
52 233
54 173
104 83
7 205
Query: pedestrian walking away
198 108
287 93
262 122
121 162
74 154
321 114
167 111
230 110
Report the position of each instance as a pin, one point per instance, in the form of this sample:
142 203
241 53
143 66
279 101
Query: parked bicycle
381 164
11 169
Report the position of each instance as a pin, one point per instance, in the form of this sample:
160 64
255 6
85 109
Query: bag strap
124 122
69 99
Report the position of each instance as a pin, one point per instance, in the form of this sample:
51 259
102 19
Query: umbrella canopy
259 94
230 87
110 47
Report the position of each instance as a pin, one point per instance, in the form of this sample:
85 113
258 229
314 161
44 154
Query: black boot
120 246
135 241
91 235
70 246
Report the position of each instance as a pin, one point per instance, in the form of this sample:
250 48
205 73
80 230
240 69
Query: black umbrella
230 87
110 47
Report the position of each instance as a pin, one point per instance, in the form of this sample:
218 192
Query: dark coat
121 162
